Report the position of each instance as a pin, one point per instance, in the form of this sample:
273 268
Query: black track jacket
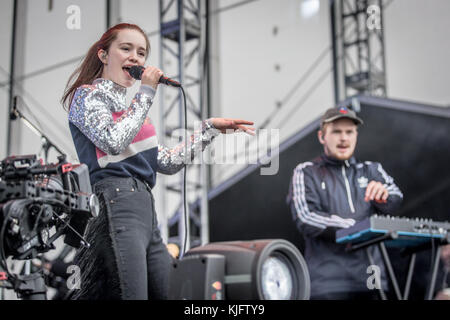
326 187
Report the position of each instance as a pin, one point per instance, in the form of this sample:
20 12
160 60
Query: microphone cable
185 213
136 73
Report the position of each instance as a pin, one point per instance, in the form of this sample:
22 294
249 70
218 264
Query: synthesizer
407 231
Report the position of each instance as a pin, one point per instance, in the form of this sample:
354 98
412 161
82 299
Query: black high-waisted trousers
127 258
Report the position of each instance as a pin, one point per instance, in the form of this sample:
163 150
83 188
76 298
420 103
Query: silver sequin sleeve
92 111
172 160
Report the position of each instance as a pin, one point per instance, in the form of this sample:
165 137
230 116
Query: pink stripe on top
147 131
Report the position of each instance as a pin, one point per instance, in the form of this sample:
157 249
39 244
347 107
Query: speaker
198 277
266 269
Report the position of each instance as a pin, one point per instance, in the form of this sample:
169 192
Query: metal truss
182 50
358 48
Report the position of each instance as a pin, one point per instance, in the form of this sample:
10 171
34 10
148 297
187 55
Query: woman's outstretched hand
232 125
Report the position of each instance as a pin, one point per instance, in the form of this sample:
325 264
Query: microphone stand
46 142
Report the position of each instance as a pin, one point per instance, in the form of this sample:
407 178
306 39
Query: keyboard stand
386 260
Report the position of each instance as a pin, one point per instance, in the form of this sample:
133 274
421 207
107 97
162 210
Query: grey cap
333 114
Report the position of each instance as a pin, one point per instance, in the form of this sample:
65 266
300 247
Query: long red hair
92 67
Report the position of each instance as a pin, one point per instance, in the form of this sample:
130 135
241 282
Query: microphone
136 73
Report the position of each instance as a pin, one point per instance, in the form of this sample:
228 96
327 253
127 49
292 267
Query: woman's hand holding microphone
151 76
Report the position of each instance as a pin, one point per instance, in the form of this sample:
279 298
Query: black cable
186 217
207 75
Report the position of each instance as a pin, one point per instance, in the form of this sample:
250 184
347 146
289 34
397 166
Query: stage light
241 270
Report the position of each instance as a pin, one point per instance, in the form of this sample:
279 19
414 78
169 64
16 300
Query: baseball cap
333 114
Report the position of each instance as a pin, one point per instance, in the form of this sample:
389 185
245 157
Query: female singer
127 258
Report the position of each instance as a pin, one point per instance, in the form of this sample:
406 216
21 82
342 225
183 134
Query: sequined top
114 139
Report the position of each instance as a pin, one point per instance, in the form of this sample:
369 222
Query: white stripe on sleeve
301 205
